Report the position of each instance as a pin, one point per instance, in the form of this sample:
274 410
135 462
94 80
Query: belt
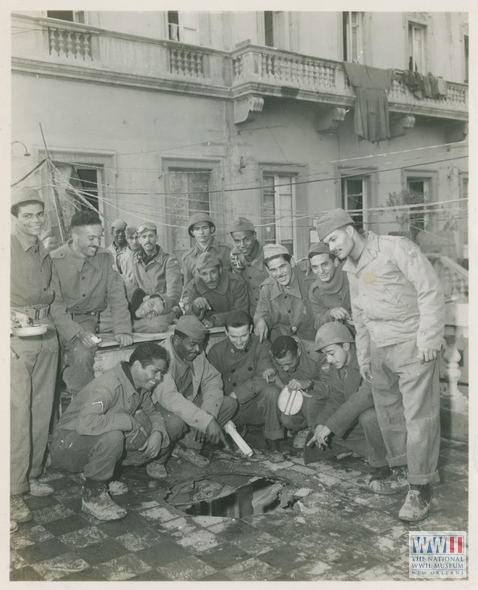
34 313
73 313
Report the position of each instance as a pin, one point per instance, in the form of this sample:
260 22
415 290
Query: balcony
54 47
271 72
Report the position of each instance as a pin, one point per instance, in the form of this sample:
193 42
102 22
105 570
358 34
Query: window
354 196
467 57
419 189
353 36
269 28
188 194
173 25
68 15
182 26
278 208
416 48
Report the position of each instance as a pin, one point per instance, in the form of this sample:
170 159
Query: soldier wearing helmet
202 229
346 421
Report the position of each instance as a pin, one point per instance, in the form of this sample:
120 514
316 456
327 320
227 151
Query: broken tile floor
333 529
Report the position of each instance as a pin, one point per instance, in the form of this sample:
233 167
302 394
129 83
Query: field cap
22 195
318 248
207 260
331 221
242 224
191 326
272 250
119 224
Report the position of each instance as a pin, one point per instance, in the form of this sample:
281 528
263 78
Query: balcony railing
250 69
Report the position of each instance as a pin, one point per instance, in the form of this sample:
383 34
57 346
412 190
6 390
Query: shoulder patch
409 248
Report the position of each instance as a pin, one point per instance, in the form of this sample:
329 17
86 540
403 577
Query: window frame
366 190
347 37
412 26
277 175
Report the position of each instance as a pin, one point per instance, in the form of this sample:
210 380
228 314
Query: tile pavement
338 530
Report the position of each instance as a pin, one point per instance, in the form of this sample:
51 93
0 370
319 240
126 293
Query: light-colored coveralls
398 307
33 363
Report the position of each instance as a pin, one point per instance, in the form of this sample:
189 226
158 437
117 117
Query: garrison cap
197 218
191 326
319 248
24 194
130 231
272 250
332 333
332 220
146 226
207 260
242 224
118 224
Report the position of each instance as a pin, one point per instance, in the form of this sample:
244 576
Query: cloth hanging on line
371 103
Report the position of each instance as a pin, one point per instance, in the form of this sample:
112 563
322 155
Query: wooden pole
56 198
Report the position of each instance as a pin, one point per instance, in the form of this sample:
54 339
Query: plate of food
29 331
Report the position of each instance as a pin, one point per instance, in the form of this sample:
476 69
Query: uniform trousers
407 400
262 409
33 370
78 360
178 429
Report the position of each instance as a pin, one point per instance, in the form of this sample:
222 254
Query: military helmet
332 333
197 218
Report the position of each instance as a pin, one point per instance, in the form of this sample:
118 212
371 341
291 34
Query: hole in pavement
230 495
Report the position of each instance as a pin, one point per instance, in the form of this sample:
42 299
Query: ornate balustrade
67 42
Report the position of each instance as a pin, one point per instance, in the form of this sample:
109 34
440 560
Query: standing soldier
85 282
119 246
330 292
202 229
284 306
33 359
255 273
399 313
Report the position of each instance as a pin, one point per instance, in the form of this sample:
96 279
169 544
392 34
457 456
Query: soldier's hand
152 446
366 372
269 375
198 436
86 338
216 434
201 303
425 355
260 328
124 340
340 314
321 433
295 384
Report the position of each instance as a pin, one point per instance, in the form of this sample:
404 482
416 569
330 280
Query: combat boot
95 500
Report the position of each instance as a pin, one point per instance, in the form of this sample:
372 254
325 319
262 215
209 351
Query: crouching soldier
296 370
111 417
214 292
346 420
200 384
242 359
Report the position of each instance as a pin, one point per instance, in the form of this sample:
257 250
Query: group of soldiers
356 343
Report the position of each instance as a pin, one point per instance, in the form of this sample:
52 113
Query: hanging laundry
371 104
